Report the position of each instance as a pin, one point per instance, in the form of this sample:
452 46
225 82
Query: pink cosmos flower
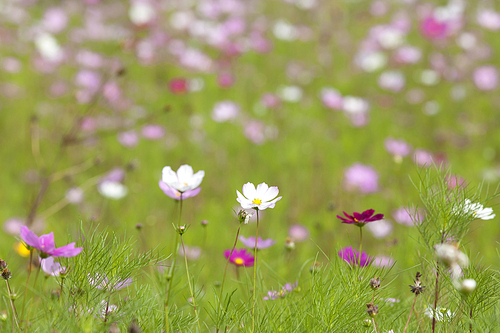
423 158
434 29
285 290
405 216
382 261
259 198
486 78
397 148
352 257
361 177
153 132
298 232
261 243
46 245
178 86
174 194
240 257
51 267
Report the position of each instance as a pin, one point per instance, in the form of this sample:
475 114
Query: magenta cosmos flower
352 257
259 198
261 243
361 219
240 257
45 244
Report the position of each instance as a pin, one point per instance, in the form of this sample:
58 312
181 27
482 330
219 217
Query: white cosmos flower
259 198
112 190
441 314
451 255
478 211
183 179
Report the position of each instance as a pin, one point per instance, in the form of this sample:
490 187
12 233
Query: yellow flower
21 249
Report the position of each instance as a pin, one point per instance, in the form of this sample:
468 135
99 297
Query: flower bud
3 264
3 315
467 286
372 309
375 283
367 322
244 216
204 223
289 244
6 274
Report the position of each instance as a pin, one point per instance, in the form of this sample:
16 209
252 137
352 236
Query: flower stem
27 282
190 287
470 316
172 268
411 310
255 273
225 270
375 326
360 244
436 295
107 309
14 311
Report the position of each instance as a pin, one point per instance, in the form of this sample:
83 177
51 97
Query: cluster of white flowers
453 258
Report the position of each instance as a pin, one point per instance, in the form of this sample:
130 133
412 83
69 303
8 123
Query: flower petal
196 179
66 251
169 191
29 237
270 194
169 177
47 243
261 191
249 191
185 173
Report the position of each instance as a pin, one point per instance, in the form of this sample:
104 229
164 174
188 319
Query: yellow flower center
238 261
257 201
355 219
177 194
185 184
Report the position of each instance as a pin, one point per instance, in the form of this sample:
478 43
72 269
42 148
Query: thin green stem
190 286
375 326
411 310
172 268
27 282
360 244
14 311
225 271
255 272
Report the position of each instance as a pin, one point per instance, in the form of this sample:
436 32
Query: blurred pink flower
55 20
423 158
489 19
225 111
178 86
486 78
431 28
407 55
397 148
11 65
382 261
392 80
114 175
225 80
153 132
192 252
298 232
128 139
111 91
261 243
360 177
331 98
254 131
408 216
453 181
46 246
88 80
270 101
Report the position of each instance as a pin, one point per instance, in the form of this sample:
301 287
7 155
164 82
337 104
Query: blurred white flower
112 190
371 61
467 286
441 314
478 211
451 255
380 229
48 47
285 31
290 93
141 13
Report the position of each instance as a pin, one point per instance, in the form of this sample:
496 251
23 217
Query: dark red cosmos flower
361 219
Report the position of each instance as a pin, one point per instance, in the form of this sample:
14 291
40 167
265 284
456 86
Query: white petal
185 173
169 177
196 179
249 191
261 191
271 193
